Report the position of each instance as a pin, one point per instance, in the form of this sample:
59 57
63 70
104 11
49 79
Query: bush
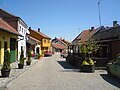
6 64
37 56
29 56
21 58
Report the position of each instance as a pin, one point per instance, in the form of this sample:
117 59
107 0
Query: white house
23 30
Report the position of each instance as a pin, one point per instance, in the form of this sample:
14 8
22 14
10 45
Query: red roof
65 41
6 27
43 35
85 35
33 39
58 46
61 41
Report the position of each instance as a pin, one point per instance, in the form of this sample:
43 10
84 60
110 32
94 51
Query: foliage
22 58
88 62
29 56
37 56
86 51
6 64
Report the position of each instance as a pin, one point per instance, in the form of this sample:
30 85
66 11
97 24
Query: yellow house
44 39
8 41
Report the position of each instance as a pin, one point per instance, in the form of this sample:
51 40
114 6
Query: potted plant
5 71
28 62
86 50
88 65
38 56
21 63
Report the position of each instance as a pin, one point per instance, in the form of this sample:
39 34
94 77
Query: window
24 31
5 46
44 41
48 41
20 28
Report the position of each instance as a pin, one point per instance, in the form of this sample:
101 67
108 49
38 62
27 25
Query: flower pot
20 66
5 72
28 63
88 68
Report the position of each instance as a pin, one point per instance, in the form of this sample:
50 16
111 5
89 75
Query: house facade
33 44
109 40
59 45
45 44
19 25
82 38
8 41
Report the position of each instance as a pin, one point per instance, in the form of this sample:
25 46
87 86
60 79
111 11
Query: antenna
99 11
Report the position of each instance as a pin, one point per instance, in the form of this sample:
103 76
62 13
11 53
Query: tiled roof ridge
9 13
8 28
13 15
61 41
56 45
42 34
33 38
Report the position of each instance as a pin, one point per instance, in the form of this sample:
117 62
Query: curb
12 79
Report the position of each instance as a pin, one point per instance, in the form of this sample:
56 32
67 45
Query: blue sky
63 18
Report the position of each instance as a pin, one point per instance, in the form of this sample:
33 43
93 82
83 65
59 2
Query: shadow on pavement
1 77
68 67
111 79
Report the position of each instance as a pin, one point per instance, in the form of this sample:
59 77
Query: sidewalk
15 73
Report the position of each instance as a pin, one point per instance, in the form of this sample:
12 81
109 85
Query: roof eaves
10 32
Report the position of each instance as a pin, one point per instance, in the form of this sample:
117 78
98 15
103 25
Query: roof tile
7 27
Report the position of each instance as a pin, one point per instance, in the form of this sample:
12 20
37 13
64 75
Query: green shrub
37 56
6 64
29 56
22 58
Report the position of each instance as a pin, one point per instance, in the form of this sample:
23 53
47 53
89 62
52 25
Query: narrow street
53 73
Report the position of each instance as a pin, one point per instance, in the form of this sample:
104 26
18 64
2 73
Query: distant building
45 44
84 36
59 45
32 44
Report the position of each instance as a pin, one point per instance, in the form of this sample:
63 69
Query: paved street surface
15 73
53 73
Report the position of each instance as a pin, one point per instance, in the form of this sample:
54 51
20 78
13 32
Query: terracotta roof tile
85 35
58 46
67 42
34 39
40 33
6 27
61 41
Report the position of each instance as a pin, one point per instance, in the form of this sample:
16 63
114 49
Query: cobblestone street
53 73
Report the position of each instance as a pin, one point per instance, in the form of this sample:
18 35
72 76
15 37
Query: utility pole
99 11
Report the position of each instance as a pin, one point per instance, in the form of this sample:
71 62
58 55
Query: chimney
115 24
29 28
92 28
38 29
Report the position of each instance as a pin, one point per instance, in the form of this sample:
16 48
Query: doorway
13 52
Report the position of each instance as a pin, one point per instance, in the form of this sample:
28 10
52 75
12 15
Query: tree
86 51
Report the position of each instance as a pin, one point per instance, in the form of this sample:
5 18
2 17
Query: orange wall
46 42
